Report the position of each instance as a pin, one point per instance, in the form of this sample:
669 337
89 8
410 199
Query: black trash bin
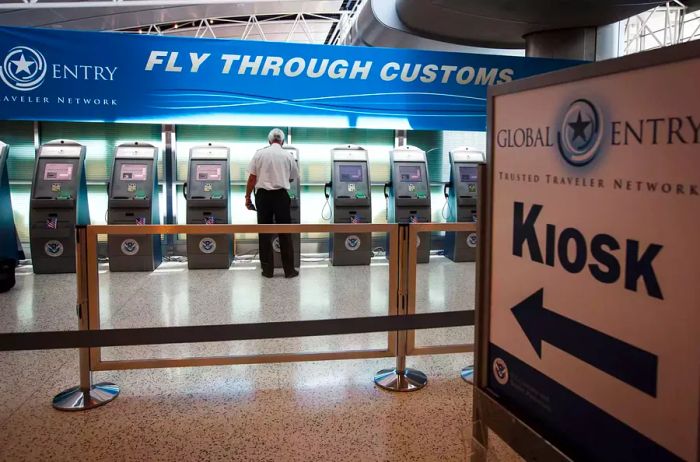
7 274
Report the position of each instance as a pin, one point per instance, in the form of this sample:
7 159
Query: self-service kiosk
133 200
295 211
462 195
208 203
8 242
409 193
351 202
58 203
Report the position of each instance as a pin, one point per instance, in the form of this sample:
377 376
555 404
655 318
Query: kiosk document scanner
133 200
351 203
295 212
58 203
208 192
9 249
462 195
409 193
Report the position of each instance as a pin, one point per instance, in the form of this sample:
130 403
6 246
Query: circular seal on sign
500 371
207 245
580 133
471 240
130 247
23 69
276 244
53 248
352 242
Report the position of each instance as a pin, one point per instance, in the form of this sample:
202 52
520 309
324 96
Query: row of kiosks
59 202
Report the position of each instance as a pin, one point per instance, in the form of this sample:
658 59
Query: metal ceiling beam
38 4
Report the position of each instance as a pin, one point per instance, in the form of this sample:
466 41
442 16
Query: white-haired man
269 174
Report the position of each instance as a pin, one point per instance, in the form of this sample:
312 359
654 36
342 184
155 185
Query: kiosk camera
8 242
409 193
461 193
351 203
58 203
295 211
133 200
208 192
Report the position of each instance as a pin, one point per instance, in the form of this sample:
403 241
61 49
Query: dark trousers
273 207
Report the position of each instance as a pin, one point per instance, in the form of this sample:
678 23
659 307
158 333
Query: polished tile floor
292 411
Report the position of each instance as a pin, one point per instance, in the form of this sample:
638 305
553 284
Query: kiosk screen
467 174
351 173
410 174
133 172
209 172
58 172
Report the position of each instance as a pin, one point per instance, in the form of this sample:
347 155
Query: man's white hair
276 136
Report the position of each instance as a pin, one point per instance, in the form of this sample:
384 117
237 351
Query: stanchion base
468 374
407 380
76 399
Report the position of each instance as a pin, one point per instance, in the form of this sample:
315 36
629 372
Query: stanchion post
402 378
86 395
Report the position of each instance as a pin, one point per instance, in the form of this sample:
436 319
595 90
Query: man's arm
252 179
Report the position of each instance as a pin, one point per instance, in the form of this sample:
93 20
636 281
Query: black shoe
268 275
291 275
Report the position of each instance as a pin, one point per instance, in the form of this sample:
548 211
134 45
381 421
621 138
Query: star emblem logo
579 128
23 65
23 69
580 133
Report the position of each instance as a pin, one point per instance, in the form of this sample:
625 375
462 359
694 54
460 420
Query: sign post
588 322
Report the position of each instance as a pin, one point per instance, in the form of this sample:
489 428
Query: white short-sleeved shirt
274 168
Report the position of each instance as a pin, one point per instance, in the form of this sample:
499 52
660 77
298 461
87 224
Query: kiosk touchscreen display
467 174
58 172
351 173
410 174
133 172
208 172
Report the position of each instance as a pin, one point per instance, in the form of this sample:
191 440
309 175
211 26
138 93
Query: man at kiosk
270 172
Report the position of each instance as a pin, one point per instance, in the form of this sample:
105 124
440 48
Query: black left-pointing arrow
626 362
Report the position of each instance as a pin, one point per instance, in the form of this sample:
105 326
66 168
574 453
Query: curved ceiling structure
492 25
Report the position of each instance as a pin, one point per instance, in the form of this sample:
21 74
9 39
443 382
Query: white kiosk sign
594 295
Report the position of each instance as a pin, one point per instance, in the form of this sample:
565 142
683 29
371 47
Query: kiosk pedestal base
77 399
395 380
468 374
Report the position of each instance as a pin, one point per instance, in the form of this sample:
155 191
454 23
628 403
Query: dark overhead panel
503 23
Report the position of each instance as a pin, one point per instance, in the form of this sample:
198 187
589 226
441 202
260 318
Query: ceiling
504 23
493 26
308 21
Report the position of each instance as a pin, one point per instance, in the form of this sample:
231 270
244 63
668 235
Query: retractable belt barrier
400 323
229 332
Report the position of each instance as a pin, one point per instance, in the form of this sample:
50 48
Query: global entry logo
580 133
23 69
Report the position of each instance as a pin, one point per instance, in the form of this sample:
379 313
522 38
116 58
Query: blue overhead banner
118 77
